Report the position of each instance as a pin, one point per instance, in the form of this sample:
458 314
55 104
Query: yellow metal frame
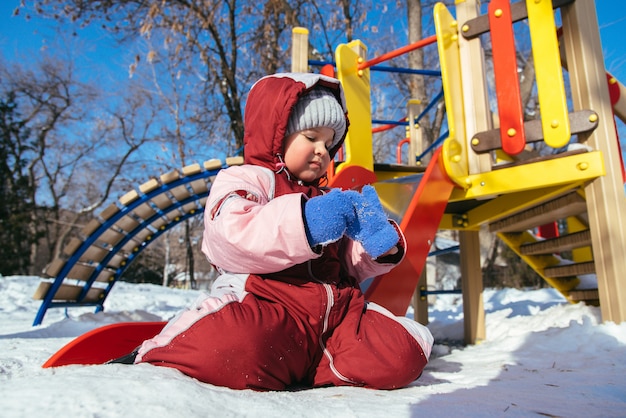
568 170
356 84
538 263
454 149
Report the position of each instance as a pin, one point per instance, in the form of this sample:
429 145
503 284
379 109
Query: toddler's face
306 153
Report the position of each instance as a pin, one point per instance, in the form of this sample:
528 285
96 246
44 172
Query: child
287 310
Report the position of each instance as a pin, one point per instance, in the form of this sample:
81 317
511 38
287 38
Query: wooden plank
191 207
559 244
42 290
230 161
479 25
159 223
478 116
582 121
199 186
605 195
131 246
174 215
94 253
181 192
116 260
299 50
142 235
68 292
191 169
560 208
590 296
80 271
91 227
54 267
127 223
129 198
472 285
111 210
110 237
106 276
72 246
149 186
162 201
144 211
170 177
212 164
570 270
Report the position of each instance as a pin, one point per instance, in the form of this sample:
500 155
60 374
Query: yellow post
550 87
454 151
356 85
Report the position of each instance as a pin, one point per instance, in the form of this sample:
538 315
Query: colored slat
479 25
550 86
454 149
105 343
394 290
507 84
356 84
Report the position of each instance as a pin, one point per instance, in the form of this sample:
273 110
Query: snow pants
312 335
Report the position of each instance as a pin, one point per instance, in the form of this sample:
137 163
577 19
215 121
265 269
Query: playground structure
475 179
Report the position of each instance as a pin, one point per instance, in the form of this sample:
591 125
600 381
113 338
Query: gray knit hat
317 108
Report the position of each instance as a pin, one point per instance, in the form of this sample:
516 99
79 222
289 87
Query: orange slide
420 223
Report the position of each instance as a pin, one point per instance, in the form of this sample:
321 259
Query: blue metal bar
402 70
92 238
432 146
390 122
385 68
444 251
440 292
430 105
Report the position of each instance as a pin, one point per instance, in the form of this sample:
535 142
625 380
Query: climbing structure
495 186
477 179
582 189
91 264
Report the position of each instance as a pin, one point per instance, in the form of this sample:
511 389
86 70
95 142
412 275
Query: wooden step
567 270
562 207
68 292
557 245
589 296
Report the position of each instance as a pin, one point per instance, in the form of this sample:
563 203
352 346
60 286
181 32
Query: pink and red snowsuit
282 315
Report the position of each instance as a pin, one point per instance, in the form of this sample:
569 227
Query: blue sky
20 40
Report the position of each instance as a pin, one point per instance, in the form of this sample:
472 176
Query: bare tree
71 144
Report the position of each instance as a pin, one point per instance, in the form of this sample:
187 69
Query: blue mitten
371 227
326 217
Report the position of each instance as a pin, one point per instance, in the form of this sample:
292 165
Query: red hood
269 104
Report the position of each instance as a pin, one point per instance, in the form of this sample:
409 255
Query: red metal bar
395 53
399 149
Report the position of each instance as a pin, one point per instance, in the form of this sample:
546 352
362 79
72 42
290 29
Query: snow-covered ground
542 357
